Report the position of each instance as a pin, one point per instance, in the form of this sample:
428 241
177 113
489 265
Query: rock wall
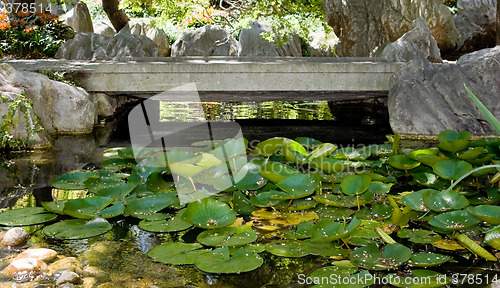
426 98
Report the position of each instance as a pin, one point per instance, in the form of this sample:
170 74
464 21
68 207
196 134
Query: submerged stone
15 237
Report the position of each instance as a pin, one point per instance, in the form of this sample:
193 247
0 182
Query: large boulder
476 24
61 108
323 45
91 46
104 28
416 43
79 18
362 26
160 38
209 40
426 98
253 44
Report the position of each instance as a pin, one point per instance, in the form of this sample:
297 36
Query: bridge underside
230 79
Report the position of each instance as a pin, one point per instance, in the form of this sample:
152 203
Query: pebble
89 282
92 271
67 263
24 266
43 254
15 237
67 277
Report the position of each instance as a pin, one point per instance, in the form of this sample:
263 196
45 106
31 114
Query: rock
61 108
210 40
160 38
43 254
426 98
476 24
15 237
416 43
361 26
67 277
66 263
79 18
323 45
91 46
25 268
104 28
100 252
89 282
251 42
106 105
93 271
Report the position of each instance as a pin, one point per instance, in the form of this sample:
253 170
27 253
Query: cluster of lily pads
366 210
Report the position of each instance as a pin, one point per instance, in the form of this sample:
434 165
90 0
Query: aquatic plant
372 209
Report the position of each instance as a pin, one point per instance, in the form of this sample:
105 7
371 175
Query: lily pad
177 253
427 259
322 151
441 201
391 257
275 171
227 236
73 180
286 248
329 165
419 236
298 186
492 238
75 229
220 261
26 216
174 224
148 205
402 162
415 200
452 169
454 220
453 141
249 178
118 192
355 184
156 182
86 208
487 213
209 213
327 230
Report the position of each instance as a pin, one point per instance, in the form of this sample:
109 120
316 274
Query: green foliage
21 104
29 35
63 76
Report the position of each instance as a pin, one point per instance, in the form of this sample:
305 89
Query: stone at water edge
209 40
24 266
15 237
43 254
66 263
68 277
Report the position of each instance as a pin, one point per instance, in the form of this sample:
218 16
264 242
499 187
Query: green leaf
86 208
73 180
370 257
487 213
177 253
402 162
219 261
355 184
425 259
228 236
452 169
441 201
75 229
300 185
148 205
454 220
327 230
26 216
209 213
486 113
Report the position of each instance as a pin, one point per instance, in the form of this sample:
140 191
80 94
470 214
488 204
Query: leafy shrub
30 35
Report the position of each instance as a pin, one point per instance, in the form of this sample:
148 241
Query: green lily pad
415 200
275 171
227 236
148 205
26 216
303 231
177 253
267 198
297 205
241 204
286 248
249 178
329 165
298 186
454 220
342 200
86 208
353 153
75 229
220 261
118 164
327 230
309 143
118 192
54 206
325 249
427 259
73 180
156 182
94 184
419 236
391 257
174 224
453 141
270 146
321 151
452 169
441 201
402 162
355 184
209 213
487 213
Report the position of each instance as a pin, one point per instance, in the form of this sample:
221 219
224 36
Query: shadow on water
25 181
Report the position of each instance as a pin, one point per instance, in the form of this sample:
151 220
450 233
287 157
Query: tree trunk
117 16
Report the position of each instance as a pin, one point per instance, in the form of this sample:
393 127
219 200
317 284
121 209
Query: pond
119 257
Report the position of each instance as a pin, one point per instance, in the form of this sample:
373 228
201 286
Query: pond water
118 257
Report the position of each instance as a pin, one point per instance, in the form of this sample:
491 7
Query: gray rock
61 108
251 42
79 18
362 26
476 23
426 98
91 46
323 45
416 43
104 28
160 38
15 237
209 40
67 277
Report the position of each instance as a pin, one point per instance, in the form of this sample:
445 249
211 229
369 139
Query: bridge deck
220 78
